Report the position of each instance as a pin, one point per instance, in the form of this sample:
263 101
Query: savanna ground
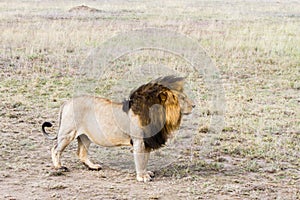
255 46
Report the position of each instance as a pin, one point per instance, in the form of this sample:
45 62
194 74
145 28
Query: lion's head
159 105
186 104
175 84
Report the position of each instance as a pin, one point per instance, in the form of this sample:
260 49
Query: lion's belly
106 124
110 138
106 134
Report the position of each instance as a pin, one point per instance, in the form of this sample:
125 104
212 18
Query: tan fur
146 121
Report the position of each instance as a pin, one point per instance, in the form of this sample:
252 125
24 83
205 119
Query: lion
145 121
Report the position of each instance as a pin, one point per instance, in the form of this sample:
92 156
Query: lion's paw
151 174
94 167
145 177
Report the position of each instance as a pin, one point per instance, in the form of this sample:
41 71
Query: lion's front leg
141 157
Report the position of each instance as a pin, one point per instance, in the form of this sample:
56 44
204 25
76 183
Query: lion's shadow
167 162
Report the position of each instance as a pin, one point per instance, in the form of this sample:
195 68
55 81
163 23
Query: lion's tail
48 124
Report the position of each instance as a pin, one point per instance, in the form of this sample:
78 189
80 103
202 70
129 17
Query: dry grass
255 45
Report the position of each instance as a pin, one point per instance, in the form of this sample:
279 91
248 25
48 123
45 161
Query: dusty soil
26 170
256 156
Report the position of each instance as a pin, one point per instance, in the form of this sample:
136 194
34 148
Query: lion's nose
193 106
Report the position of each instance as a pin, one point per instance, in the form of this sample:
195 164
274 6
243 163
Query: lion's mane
156 104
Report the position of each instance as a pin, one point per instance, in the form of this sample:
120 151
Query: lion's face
186 104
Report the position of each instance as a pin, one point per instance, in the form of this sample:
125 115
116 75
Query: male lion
145 121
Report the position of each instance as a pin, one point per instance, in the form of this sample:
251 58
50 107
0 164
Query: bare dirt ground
255 46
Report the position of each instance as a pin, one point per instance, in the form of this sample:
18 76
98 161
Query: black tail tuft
47 124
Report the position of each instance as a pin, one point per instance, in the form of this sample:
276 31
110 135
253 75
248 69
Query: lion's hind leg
82 152
62 142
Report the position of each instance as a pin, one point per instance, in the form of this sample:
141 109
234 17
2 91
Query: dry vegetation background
254 44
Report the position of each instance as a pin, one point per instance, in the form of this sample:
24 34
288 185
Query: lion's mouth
186 113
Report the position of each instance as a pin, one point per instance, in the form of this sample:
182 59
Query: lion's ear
163 96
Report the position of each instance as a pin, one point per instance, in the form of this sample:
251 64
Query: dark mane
174 83
157 106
